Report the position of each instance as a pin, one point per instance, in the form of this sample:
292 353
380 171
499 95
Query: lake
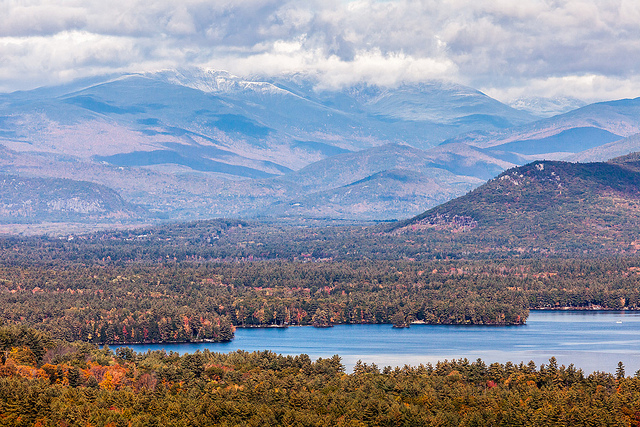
591 340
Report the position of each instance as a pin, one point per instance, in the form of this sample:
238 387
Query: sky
588 49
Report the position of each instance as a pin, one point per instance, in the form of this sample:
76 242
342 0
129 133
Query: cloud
31 18
587 87
501 46
334 72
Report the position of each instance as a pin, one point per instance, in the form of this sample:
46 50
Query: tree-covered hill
51 199
545 206
45 382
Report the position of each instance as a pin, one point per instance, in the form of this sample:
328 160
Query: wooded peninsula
117 289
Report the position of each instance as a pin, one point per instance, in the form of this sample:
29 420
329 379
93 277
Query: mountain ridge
57 200
396 193
217 129
191 144
618 117
546 206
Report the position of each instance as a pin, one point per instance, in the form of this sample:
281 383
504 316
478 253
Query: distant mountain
455 106
190 144
462 159
386 182
405 181
195 144
560 136
607 151
26 200
343 169
545 206
211 121
347 168
390 194
547 107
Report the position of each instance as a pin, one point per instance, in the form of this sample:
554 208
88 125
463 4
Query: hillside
385 195
560 136
605 152
27 200
545 206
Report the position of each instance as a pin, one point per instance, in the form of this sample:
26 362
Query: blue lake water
593 341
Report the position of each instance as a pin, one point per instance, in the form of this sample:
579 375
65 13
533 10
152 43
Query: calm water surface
593 341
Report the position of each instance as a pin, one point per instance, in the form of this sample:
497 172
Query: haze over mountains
198 144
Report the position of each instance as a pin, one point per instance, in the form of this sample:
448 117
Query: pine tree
620 374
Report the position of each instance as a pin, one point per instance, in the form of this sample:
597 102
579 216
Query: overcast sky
589 49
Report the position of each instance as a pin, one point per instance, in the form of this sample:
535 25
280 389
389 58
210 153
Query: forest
187 301
64 300
47 382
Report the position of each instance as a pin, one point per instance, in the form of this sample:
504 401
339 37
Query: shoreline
414 323
604 309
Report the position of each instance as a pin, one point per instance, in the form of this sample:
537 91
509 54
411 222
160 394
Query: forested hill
32 200
44 382
546 206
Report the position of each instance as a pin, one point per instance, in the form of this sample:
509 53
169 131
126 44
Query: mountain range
192 144
560 136
539 210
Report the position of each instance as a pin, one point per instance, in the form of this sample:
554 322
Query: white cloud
31 18
181 22
587 87
504 46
